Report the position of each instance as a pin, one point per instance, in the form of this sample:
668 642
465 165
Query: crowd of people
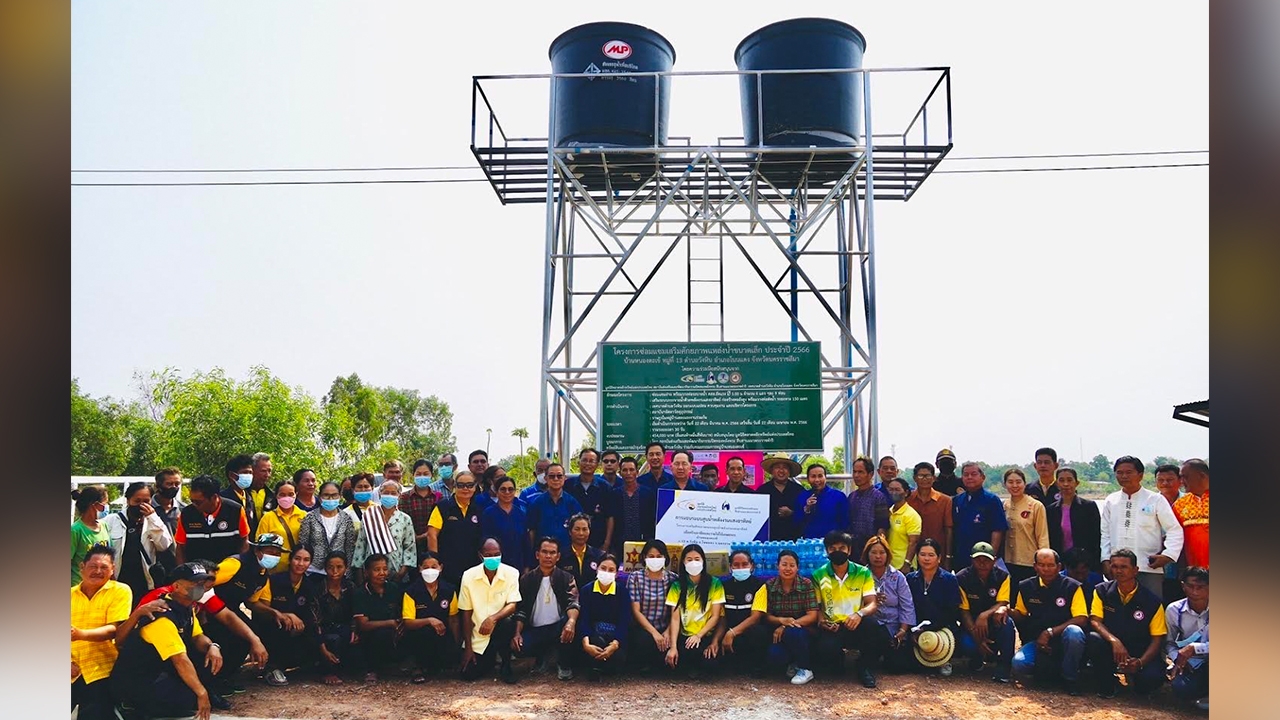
455 571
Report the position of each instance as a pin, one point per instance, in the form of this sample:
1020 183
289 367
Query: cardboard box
717 559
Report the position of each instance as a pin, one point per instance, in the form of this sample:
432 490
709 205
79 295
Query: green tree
522 434
99 439
363 422
811 460
210 417
837 459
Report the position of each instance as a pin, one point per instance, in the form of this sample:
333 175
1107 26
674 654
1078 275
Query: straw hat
793 467
935 647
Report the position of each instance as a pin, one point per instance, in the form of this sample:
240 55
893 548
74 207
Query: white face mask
655 564
693 567
606 578
431 574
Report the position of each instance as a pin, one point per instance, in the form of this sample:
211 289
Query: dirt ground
725 698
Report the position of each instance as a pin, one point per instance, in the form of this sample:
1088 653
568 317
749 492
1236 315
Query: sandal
332 680
419 678
371 677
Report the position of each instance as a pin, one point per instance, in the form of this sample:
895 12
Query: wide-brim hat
771 461
934 648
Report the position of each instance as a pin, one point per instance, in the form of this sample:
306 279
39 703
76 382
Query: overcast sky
1015 310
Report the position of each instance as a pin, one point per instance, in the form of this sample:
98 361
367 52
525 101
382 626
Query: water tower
768 206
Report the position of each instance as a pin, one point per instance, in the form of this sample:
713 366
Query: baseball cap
194 571
983 550
268 540
945 452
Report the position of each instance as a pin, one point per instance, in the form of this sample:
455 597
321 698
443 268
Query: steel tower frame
720 192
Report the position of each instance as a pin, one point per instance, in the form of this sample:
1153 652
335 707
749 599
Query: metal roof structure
1196 413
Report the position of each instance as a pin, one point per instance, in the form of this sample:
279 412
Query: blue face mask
492 563
330 503
740 574
244 481
269 561
103 512
363 496
446 472
422 481
389 501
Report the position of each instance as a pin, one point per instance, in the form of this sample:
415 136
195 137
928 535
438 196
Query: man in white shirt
1187 644
1141 520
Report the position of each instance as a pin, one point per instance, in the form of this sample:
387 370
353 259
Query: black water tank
800 110
602 111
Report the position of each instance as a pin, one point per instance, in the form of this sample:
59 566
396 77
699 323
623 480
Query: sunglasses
506 489
464 485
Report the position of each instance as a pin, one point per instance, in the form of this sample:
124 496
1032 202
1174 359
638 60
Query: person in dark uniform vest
165 665
742 637
987 632
1128 630
578 557
432 627
453 532
242 579
242 487
281 619
1050 613
211 527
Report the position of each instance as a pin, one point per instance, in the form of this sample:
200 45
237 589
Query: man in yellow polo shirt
847 592
98 606
164 668
489 593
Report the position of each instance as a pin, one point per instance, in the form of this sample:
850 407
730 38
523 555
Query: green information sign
739 395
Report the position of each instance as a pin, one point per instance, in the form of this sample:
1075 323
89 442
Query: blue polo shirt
647 480
830 513
694 484
532 491
595 501
975 517
511 530
550 518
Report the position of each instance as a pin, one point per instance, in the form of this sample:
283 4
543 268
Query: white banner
711 519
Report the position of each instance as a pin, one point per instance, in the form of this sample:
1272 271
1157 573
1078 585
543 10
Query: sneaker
802 677
217 702
791 670
277 678
1203 704
564 673
1001 675
868 680
946 670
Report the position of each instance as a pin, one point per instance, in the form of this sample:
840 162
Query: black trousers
1017 573
95 699
377 649
499 648
432 652
869 640
884 654
165 695
235 649
544 642
693 660
616 663
1104 667
642 652
337 641
285 650
749 650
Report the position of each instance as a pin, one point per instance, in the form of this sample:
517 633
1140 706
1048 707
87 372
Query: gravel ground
917 697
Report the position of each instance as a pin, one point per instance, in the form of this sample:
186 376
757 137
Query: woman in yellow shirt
1028 529
285 520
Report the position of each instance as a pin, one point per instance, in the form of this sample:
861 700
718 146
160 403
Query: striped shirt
652 596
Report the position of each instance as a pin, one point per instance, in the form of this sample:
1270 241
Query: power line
432 168
1069 169
425 181
409 181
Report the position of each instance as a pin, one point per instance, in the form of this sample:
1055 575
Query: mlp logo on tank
616 50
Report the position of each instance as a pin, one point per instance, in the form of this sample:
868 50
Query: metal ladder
705 259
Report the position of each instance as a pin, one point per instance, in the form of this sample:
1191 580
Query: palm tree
522 434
